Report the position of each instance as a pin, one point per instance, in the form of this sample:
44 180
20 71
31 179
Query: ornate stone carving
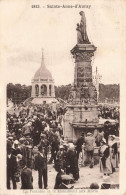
80 71
83 56
88 79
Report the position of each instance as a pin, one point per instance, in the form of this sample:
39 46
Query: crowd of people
109 112
35 139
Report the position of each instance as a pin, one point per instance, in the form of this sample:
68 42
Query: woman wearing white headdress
113 152
105 161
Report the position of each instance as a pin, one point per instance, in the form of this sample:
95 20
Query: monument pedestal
78 119
82 113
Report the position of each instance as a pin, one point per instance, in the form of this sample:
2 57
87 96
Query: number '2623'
35 6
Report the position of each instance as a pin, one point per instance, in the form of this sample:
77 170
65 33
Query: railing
109 101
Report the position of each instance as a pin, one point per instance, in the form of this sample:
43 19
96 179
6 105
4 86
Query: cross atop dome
42 62
42 54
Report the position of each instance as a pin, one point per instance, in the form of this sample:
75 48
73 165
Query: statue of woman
81 28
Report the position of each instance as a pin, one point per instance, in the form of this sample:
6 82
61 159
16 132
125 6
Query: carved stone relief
83 56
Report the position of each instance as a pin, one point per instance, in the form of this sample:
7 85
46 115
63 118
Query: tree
18 93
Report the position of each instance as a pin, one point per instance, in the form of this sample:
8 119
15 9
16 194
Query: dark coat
79 144
26 179
38 126
40 162
11 165
58 180
16 151
72 161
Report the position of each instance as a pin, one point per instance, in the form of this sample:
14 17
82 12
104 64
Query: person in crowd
44 143
26 177
113 152
9 122
98 135
54 147
41 166
60 128
23 144
11 168
27 128
28 156
15 148
79 144
107 130
105 161
72 162
19 166
37 129
62 180
59 164
10 139
89 148
66 146
34 154
44 125
58 180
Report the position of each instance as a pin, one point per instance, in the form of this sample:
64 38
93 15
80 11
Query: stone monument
82 113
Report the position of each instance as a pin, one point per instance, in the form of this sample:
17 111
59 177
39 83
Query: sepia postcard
62 97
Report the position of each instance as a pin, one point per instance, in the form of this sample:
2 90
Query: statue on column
82 37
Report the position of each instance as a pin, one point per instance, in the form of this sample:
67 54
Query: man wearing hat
41 166
44 142
11 167
37 128
89 147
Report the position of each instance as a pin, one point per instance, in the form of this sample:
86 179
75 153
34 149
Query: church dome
43 72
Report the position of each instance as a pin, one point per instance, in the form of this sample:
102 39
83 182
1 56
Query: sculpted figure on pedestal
82 37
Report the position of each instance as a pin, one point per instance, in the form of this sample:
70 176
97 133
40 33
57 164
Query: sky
25 31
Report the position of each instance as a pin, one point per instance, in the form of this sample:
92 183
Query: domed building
43 89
